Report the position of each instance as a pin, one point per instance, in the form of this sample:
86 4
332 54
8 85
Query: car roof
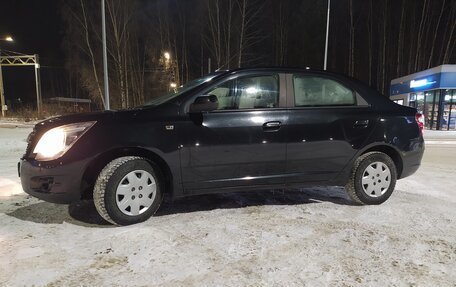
278 69
281 69
341 77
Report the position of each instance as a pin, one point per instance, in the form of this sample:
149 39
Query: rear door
328 122
243 142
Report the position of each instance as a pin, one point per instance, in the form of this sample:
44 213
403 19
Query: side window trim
359 100
283 90
290 91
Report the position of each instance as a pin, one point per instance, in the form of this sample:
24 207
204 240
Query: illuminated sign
421 83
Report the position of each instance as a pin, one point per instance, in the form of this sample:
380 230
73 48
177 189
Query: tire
373 179
128 190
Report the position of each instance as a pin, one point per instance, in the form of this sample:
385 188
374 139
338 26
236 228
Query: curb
440 142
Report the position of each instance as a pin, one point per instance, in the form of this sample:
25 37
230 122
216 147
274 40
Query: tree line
153 44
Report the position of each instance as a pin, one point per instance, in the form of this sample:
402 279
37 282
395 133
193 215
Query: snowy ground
312 237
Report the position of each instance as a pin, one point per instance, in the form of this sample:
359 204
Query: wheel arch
98 163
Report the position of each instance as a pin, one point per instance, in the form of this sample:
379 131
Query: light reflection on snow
10 187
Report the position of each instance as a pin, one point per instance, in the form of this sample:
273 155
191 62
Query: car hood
75 118
140 113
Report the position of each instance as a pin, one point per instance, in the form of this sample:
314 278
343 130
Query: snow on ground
12 147
311 237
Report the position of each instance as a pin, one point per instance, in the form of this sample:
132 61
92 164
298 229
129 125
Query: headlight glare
55 142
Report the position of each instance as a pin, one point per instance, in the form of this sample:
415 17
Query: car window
225 96
248 93
181 90
319 91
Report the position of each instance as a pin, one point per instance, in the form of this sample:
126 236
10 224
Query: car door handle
361 124
272 126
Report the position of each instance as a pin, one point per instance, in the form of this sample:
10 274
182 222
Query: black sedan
239 130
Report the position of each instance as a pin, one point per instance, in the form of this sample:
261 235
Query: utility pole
2 95
325 65
2 91
105 56
38 84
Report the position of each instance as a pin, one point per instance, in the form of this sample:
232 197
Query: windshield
180 90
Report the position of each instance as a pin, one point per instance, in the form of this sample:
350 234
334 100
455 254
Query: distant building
432 92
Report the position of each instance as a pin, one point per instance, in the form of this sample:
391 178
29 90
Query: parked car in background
239 130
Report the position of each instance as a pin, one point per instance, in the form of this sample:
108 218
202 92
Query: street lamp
173 85
167 56
7 39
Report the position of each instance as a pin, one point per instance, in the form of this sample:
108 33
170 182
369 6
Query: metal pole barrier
105 56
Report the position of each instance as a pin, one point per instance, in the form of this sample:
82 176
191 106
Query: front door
242 142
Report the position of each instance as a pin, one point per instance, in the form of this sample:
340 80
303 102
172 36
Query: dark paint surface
231 150
234 148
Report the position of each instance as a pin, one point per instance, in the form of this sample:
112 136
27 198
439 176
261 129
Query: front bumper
56 184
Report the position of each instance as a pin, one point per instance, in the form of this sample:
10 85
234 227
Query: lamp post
2 92
105 56
325 65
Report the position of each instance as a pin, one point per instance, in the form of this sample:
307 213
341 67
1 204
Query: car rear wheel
128 191
373 179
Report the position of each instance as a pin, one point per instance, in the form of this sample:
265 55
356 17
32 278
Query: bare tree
384 45
420 34
450 45
281 30
228 33
78 25
435 34
213 9
126 57
351 49
400 41
119 14
249 34
370 31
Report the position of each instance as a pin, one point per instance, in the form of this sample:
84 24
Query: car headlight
55 142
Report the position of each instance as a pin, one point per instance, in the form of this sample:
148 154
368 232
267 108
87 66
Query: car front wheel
373 179
128 191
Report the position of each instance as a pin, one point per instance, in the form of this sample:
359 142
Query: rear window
312 91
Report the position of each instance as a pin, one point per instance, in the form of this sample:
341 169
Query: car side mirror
204 104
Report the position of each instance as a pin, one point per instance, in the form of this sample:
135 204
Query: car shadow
81 213
84 213
258 198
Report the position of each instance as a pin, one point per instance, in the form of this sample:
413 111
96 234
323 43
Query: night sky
36 28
